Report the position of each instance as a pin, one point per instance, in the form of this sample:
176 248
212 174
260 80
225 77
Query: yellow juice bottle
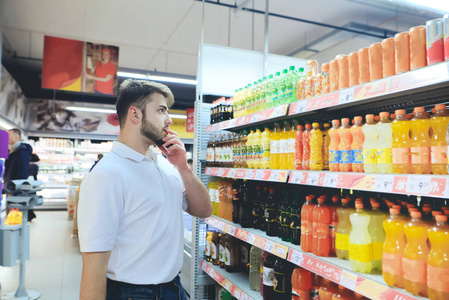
438 151
326 142
266 148
274 146
377 234
420 143
316 148
257 146
401 143
250 156
283 146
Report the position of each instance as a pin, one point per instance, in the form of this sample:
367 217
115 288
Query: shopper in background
100 156
104 74
34 167
130 207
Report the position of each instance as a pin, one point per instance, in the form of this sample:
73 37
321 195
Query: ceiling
164 35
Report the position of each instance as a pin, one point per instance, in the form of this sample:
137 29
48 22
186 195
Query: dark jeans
173 290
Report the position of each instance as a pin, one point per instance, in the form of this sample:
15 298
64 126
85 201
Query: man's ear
134 115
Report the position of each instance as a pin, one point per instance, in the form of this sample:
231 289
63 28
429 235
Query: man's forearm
197 194
93 277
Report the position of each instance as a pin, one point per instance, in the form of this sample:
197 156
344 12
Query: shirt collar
127 152
15 146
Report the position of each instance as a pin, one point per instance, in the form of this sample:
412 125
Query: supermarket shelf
56 187
406 184
236 283
337 270
69 150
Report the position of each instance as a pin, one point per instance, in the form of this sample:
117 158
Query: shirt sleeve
100 210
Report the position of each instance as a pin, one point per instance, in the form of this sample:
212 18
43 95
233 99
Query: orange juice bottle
316 148
298 147
414 261
438 260
326 142
357 145
306 147
393 249
283 146
334 157
274 146
345 146
321 222
291 146
420 144
307 225
401 143
438 150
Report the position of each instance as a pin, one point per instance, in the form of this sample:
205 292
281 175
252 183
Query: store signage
190 123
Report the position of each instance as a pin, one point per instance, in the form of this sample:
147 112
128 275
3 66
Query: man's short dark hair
137 93
17 131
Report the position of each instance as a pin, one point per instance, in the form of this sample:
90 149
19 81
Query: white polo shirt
132 205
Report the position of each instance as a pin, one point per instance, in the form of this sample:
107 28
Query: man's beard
149 131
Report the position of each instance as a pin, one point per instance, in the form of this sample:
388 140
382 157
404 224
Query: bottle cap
428 205
321 200
334 199
326 125
397 206
419 110
440 107
308 126
340 287
436 213
394 211
375 204
369 117
426 209
441 218
309 198
358 119
271 190
344 200
345 120
410 205
384 114
415 214
446 212
300 127
315 125
412 209
335 122
377 118
359 205
393 116
400 112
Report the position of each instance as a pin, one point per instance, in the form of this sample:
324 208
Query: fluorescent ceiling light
110 111
440 6
156 78
6 125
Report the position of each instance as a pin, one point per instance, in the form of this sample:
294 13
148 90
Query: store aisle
54 267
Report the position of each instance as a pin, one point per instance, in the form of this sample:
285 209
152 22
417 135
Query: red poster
190 123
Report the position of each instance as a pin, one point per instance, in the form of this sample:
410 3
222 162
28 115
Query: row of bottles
221 110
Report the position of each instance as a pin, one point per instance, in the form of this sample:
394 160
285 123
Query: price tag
253 174
244 296
227 228
203 266
384 183
232 230
346 96
280 250
331 179
227 285
248 174
221 226
232 123
254 118
269 246
220 172
274 175
207 171
232 173
278 111
301 106
313 177
295 177
418 184
251 238
295 257
259 175
211 272
209 128
348 280
236 292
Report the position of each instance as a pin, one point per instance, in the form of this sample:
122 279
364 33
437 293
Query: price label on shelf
348 280
313 178
232 230
279 111
244 296
346 96
280 250
232 173
384 183
295 177
301 106
295 257
211 272
236 292
259 175
207 171
274 175
227 228
204 266
248 174
418 184
251 238
254 118
221 225
227 285
269 246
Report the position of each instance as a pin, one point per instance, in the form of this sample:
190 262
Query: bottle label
384 156
320 230
221 253
281 284
250 150
401 155
420 155
414 270
334 156
214 252
437 278
217 154
274 147
392 263
257 151
438 154
227 257
361 252
345 156
244 255
268 276
357 156
369 156
208 246
342 241
377 250
283 146
291 146
266 151
332 227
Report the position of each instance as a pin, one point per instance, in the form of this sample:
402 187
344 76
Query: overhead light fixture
110 111
439 6
156 78
6 125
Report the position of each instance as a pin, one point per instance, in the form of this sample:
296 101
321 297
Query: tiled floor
54 267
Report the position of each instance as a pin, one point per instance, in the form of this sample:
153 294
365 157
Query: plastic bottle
420 142
343 229
360 241
401 143
231 254
326 142
316 284
283 88
344 147
291 85
334 158
257 148
221 249
301 284
357 145
295 221
271 214
327 290
438 260
393 249
321 222
284 217
268 277
274 146
254 268
258 212
263 94
342 294
298 147
439 123
209 246
250 156
370 145
291 146
266 148
307 225
263 257
237 197
269 91
384 144
282 290
275 90
377 232
257 97
246 206
249 98
243 149
306 147
414 261
316 148
245 249
283 146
